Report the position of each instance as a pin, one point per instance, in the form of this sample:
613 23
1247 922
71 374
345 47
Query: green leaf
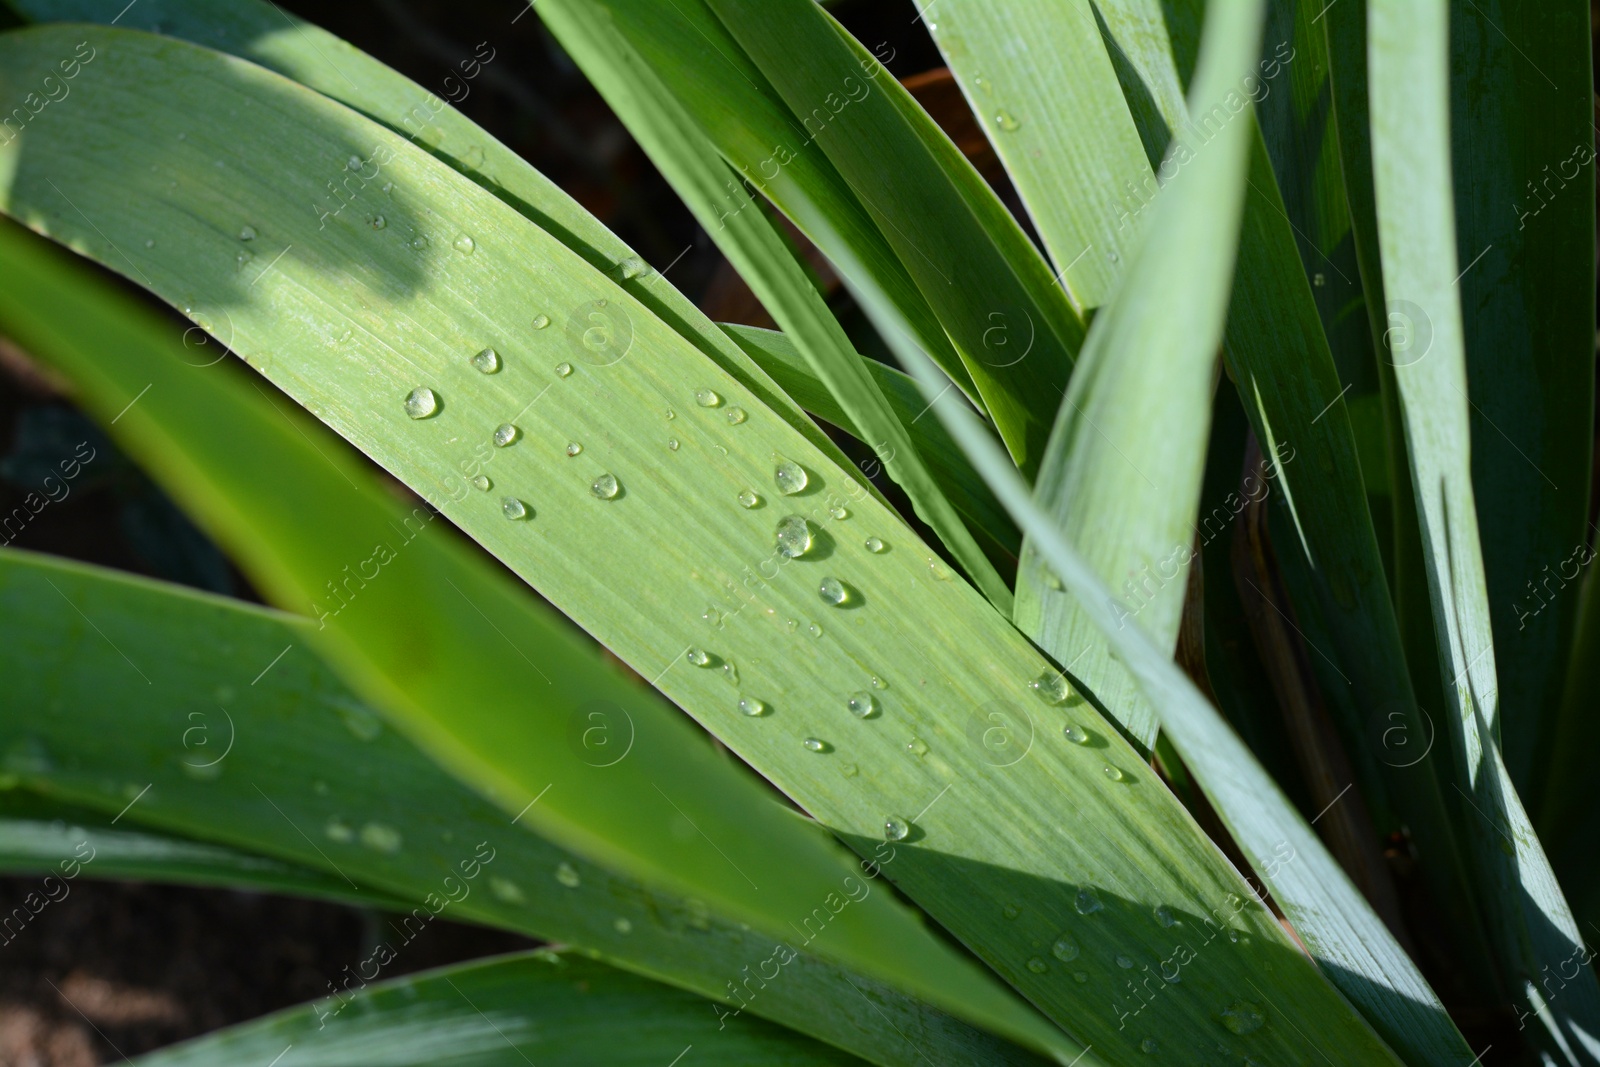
264 33
245 740
972 261
421 628
533 1007
64 850
967 492
1409 79
639 571
1130 495
1521 80
754 246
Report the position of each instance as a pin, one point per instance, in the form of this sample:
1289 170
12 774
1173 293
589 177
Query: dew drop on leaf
482 482
422 403
573 448
917 747
874 544
505 434
752 707
707 398
790 478
487 361
815 744
1125 962
568 875
1065 949
833 591
794 536
1149 1045
747 499
1087 902
1076 734
1037 965
605 487
1112 773
633 267
698 656
380 837
541 321
838 511
247 233
862 705
1006 120
1243 1017
563 369
1051 687
339 831
506 891
895 828
379 222
464 244
736 415
514 509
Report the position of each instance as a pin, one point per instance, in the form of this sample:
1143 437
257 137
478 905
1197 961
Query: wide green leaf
501 1012
248 741
1409 79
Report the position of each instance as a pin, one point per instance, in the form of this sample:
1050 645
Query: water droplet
388 188
464 244
834 592
862 705
982 83
1051 687
380 838
563 369
1149 1045
422 403
849 770
568 875
917 747
28 756
747 499
736 415
633 267
240 261
605 487
1065 949
1006 120
794 536
622 925
339 831
1112 773
1125 962
699 657
707 398
419 242
874 544
487 361
1075 733
815 744
506 891
482 482
541 321
814 630
1319 279
730 673
1164 917
573 448
896 828
1080 976
1243 1017
505 434
1037 965
247 233
379 222
363 724
512 508
940 571
879 683
791 478
150 243
752 707
1087 902
1011 911
672 444
354 163
1052 581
